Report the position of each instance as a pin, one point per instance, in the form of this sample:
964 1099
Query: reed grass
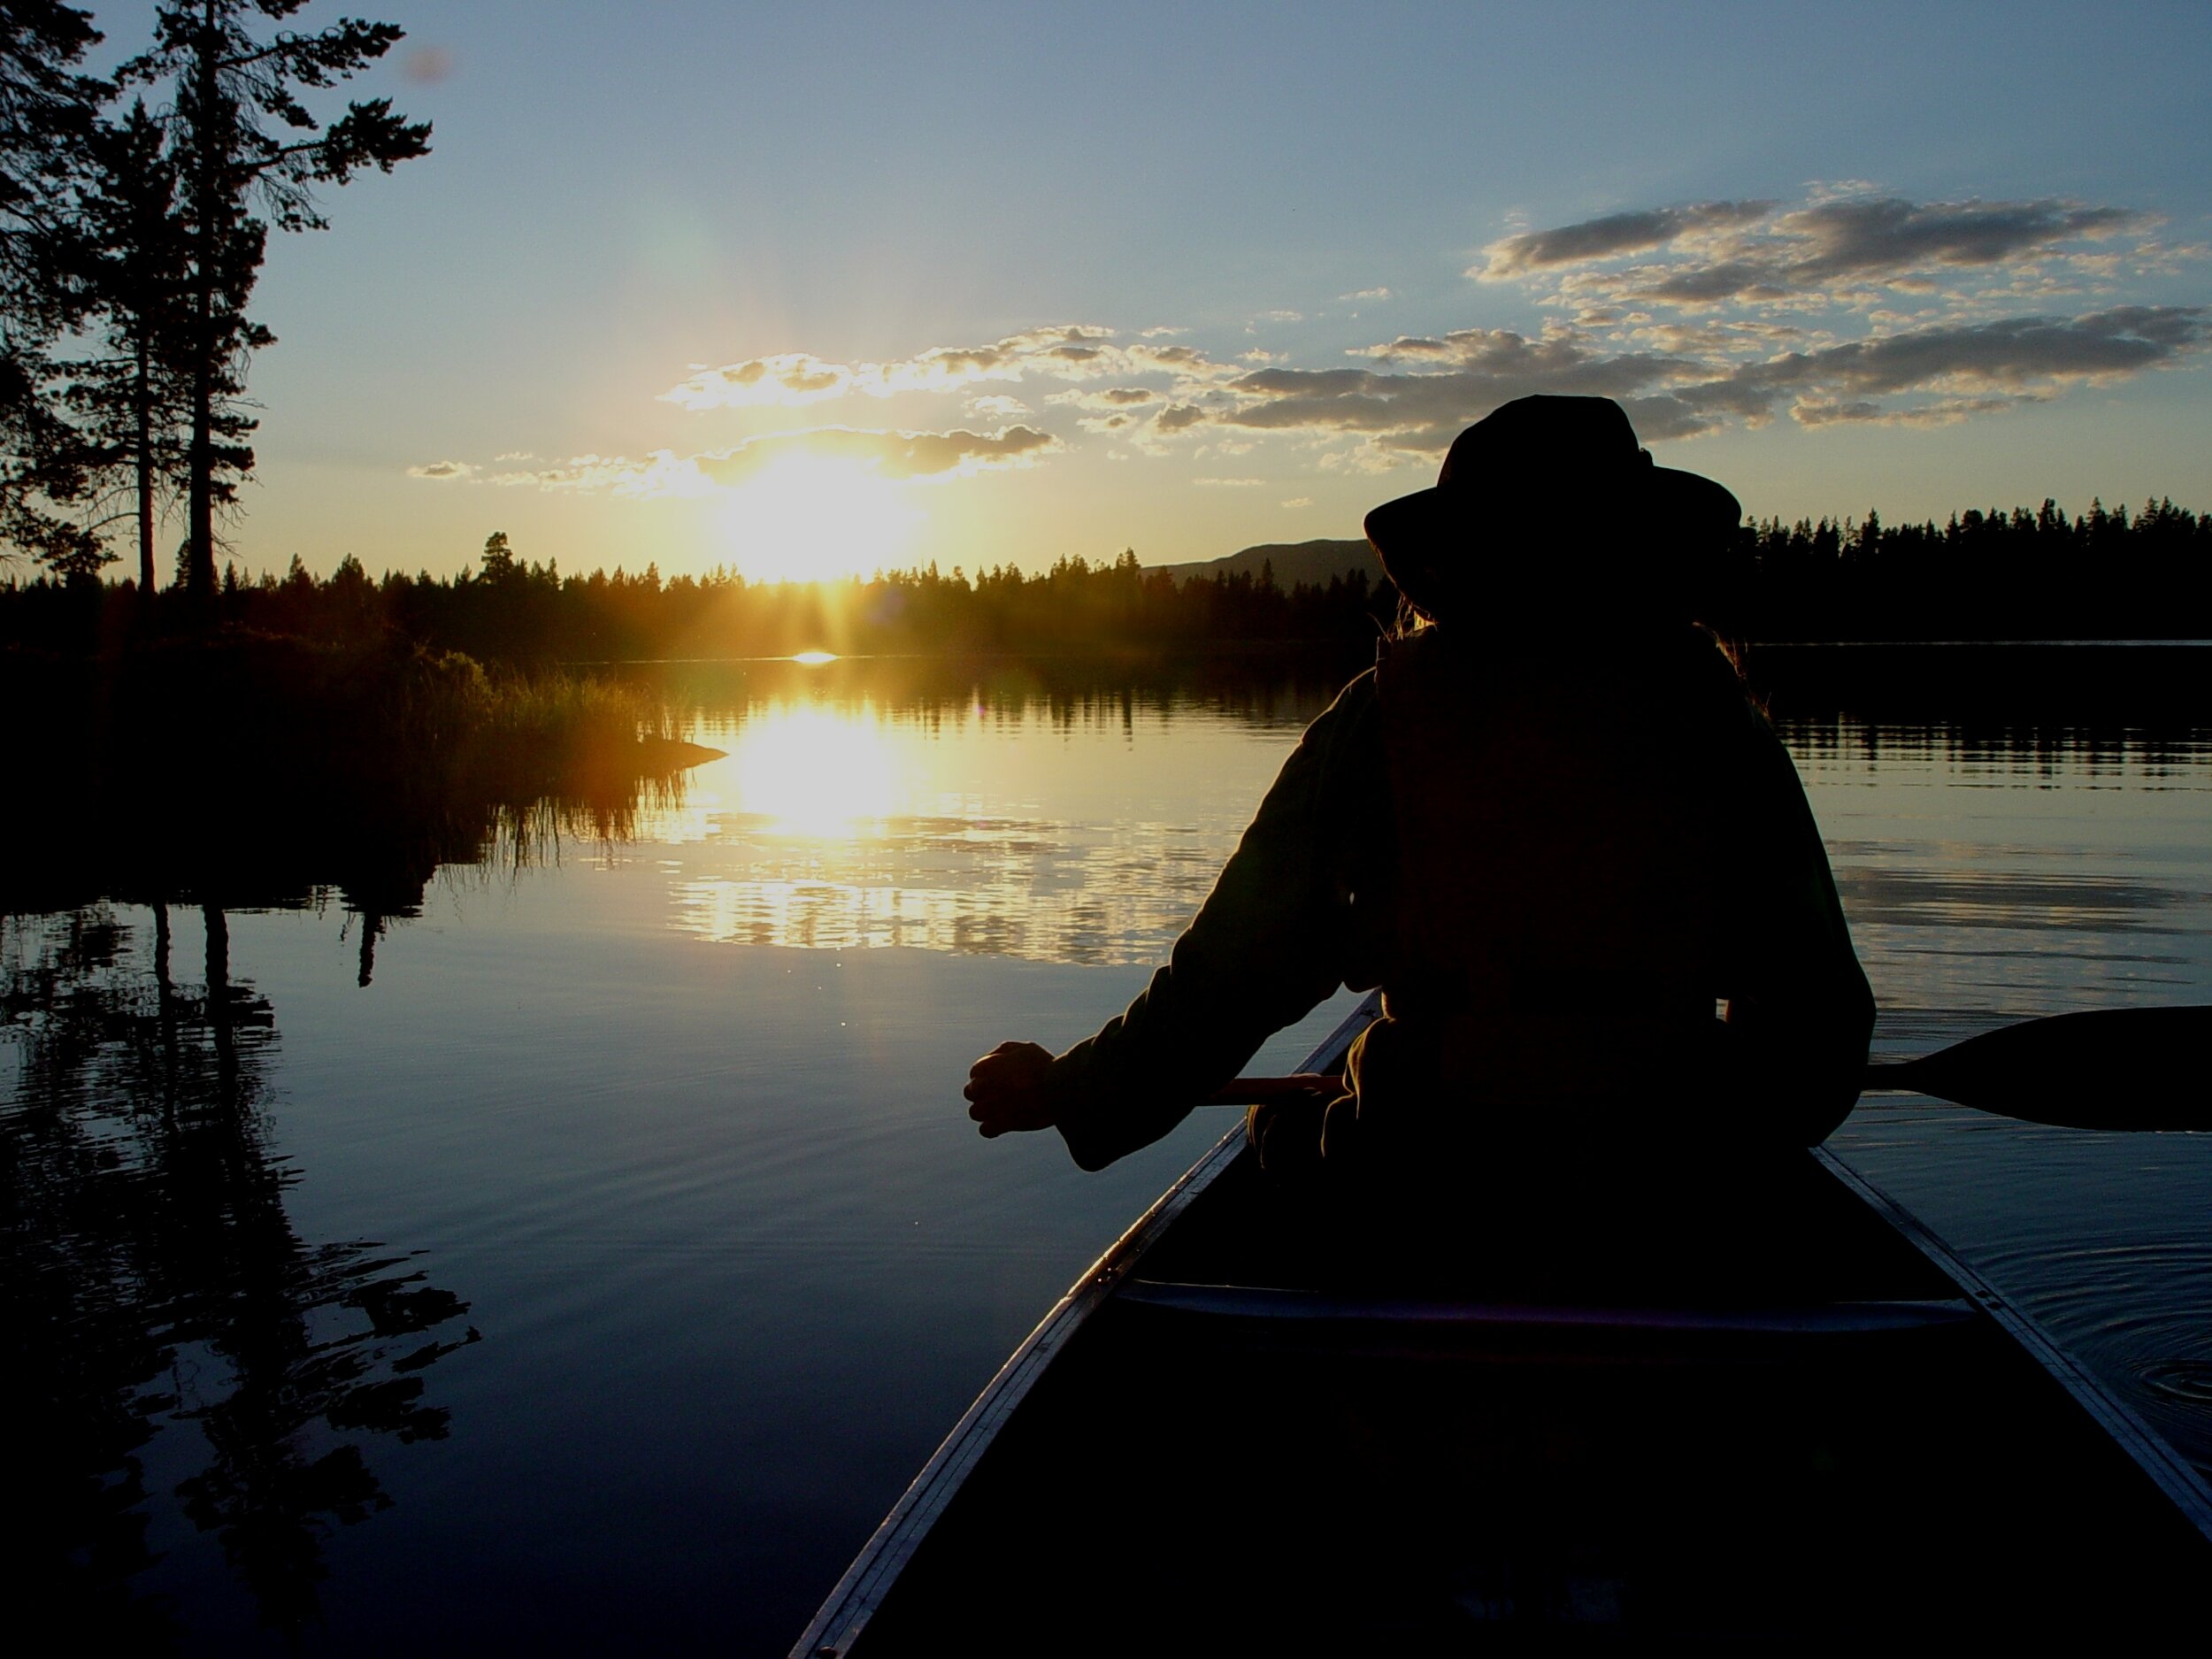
250 761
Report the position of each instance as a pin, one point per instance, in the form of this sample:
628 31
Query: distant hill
1295 562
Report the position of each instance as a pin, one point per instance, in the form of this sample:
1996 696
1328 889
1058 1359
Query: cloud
1608 238
794 379
663 474
1944 412
660 474
1229 483
1889 235
1365 294
1847 306
1458 379
1828 249
892 455
1108 398
1299 501
1421 391
2013 354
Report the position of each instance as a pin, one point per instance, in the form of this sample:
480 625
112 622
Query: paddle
2112 1068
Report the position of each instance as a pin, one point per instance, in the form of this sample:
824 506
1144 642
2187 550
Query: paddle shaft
2114 1068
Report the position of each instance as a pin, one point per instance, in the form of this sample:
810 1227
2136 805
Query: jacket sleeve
1800 1011
1265 949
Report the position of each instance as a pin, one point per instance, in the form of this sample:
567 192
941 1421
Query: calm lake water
597 1273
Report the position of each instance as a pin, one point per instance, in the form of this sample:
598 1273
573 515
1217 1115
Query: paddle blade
2116 1068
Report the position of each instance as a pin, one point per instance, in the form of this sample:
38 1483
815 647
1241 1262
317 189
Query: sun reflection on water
809 770
845 823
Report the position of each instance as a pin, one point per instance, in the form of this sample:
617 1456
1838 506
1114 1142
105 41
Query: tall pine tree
47 110
133 397
246 146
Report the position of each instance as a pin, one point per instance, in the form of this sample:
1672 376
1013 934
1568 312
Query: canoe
1780 1412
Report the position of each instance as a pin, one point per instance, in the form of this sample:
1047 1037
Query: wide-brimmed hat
1568 465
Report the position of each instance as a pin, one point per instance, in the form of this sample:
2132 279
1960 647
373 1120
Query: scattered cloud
1108 398
1299 501
663 474
892 455
1229 483
1608 237
1833 249
1848 306
794 379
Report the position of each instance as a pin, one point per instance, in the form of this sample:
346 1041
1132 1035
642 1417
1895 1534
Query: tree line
134 214
509 609
1985 575
1982 575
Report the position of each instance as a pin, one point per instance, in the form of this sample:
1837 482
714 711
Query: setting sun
814 517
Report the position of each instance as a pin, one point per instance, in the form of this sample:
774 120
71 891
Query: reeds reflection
154 1289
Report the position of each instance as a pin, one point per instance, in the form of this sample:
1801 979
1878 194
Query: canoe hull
1807 1422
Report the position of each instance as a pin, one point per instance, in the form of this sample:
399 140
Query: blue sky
799 289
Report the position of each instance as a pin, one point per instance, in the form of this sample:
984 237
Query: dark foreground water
596 1274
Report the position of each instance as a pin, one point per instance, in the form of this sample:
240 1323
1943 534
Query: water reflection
855 821
161 1310
722 1189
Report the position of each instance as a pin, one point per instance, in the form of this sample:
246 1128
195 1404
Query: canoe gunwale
869 1579
2147 1448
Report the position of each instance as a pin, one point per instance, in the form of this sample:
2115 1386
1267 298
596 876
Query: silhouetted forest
1983 576
511 612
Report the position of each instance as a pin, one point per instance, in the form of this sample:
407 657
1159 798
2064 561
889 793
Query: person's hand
1006 1089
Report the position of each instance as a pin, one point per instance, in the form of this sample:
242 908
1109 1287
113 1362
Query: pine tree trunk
145 459
200 465
200 553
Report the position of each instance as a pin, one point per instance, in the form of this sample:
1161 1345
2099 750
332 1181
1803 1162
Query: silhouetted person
1554 830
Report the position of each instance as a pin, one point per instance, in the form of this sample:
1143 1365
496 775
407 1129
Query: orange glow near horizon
816 519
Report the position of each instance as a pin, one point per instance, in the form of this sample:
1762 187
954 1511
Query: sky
799 290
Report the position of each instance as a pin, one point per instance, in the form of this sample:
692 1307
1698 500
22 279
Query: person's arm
1264 949
1800 1011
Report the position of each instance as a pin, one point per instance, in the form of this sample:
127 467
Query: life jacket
1562 833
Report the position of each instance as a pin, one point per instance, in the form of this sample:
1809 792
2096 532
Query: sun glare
814 772
816 519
